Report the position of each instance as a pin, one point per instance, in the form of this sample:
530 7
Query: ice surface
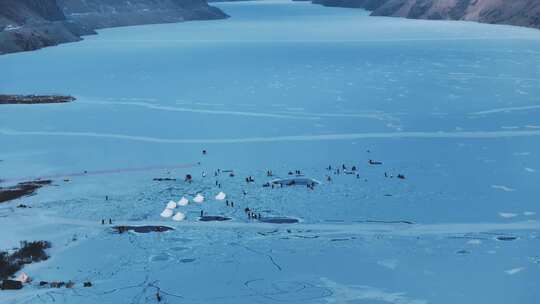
281 86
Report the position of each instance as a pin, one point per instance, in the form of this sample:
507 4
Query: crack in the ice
271 258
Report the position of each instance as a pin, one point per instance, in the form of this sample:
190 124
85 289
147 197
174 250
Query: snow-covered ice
280 86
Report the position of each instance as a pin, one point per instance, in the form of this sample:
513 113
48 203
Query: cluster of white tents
169 212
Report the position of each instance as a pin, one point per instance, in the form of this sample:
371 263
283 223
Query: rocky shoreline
34 99
27 25
516 12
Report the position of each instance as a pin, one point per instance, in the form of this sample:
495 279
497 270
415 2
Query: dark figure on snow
202 213
110 221
204 152
102 221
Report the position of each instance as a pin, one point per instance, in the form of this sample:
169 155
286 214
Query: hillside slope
32 24
97 14
514 12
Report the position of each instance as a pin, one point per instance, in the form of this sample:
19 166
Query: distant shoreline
34 99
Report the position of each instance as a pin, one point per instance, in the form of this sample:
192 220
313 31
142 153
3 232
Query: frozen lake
283 86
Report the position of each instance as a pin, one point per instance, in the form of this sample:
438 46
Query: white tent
183 202
23 278
221 196
179 216
198 199
167 212
171 205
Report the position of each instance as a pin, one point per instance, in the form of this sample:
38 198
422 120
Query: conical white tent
183 202
198 199
167 212
171 205
23 278
221 196
179 216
